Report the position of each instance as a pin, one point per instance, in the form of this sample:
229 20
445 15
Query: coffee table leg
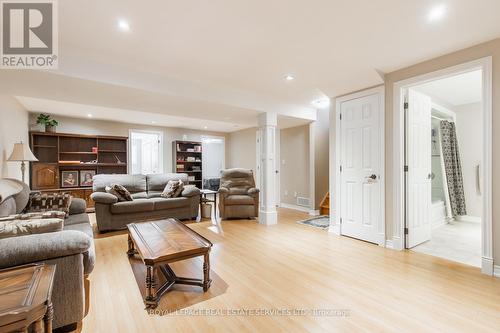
131 250
151 300
206 271
47 319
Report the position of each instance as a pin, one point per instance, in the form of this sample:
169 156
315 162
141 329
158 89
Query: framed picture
69 178
86 177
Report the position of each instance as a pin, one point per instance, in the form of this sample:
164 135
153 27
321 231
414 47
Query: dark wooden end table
25 298
161 242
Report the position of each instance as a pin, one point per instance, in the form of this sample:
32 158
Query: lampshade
21 152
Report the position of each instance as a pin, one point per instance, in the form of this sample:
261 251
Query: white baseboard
496 271
389 244
487 266
314 212
296 207
335 229
468 218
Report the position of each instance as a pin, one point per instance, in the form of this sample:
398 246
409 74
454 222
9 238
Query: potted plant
50 124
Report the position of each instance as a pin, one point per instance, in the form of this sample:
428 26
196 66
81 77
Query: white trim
314 212
389 244
398 219
161 148
496 271
337 180
312 167
295 207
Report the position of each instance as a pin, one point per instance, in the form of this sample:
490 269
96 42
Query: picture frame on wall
69 178
86 177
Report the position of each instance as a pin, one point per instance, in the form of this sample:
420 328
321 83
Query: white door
213 151
146 152
361 146
418 160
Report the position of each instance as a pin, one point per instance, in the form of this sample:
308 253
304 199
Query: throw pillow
43 202
16 228
40 215
119 191
173 189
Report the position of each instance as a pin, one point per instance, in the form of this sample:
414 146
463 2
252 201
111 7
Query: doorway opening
146 152
444 190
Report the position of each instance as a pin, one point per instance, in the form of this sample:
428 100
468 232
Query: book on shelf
191 178
197 149
180 166
69 162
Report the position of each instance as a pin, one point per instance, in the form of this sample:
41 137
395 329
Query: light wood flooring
292 266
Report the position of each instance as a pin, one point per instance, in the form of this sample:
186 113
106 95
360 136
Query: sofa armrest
77 206
104 198
190 191
32 248
223 190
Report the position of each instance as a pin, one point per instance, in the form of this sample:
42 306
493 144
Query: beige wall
294 158
13 128
469 134
101 127
321 155
242 149
491 48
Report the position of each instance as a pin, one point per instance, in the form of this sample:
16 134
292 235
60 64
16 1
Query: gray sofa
71 250
238 197
147 204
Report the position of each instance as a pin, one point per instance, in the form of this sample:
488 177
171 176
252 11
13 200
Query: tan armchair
238 197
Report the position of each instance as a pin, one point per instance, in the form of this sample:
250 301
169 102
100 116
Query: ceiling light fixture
89 115
205 127
436 13
153 122
289 77
123 25
321 103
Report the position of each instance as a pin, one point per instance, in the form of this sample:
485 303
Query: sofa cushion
136 206
133 183
163 203
76 219
119 191
236 199
16 228
41 202
157 182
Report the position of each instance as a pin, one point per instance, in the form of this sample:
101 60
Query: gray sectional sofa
71 250
147 204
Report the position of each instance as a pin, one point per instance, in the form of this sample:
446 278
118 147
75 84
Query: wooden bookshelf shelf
182 165
46 174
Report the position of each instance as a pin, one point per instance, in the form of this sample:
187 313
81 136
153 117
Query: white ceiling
456 90
224 61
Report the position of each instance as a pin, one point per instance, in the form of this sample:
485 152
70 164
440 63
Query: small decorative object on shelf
45 120
94 150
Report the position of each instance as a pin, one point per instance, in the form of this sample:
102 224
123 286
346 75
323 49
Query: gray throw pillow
16 228
173 189
119 191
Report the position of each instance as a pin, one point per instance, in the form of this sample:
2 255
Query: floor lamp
22 153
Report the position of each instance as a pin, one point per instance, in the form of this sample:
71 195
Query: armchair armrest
190 191
32 248
104 198
77 206
253 191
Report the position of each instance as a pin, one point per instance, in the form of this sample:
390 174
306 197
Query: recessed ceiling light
123 25
321 103
153 122
205 127
89 115
289 77
436 13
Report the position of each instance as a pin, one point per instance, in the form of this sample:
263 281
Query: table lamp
22 153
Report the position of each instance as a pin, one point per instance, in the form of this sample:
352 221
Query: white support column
267 170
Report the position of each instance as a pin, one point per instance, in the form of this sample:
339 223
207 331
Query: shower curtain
453 168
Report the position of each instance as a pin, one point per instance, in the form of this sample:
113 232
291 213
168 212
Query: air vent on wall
301 201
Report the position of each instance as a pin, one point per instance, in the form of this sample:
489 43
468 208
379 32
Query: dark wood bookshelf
187 158
99 154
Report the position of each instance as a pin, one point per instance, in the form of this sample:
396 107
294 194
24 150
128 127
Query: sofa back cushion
156 182
135 184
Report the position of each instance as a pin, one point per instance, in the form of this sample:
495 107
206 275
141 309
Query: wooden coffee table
161 242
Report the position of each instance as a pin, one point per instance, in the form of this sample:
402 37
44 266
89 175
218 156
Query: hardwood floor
291 266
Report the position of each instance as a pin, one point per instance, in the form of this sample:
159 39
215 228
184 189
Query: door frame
160 158
485 64
337 227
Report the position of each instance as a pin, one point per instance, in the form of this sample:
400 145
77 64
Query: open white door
418 176
361 147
